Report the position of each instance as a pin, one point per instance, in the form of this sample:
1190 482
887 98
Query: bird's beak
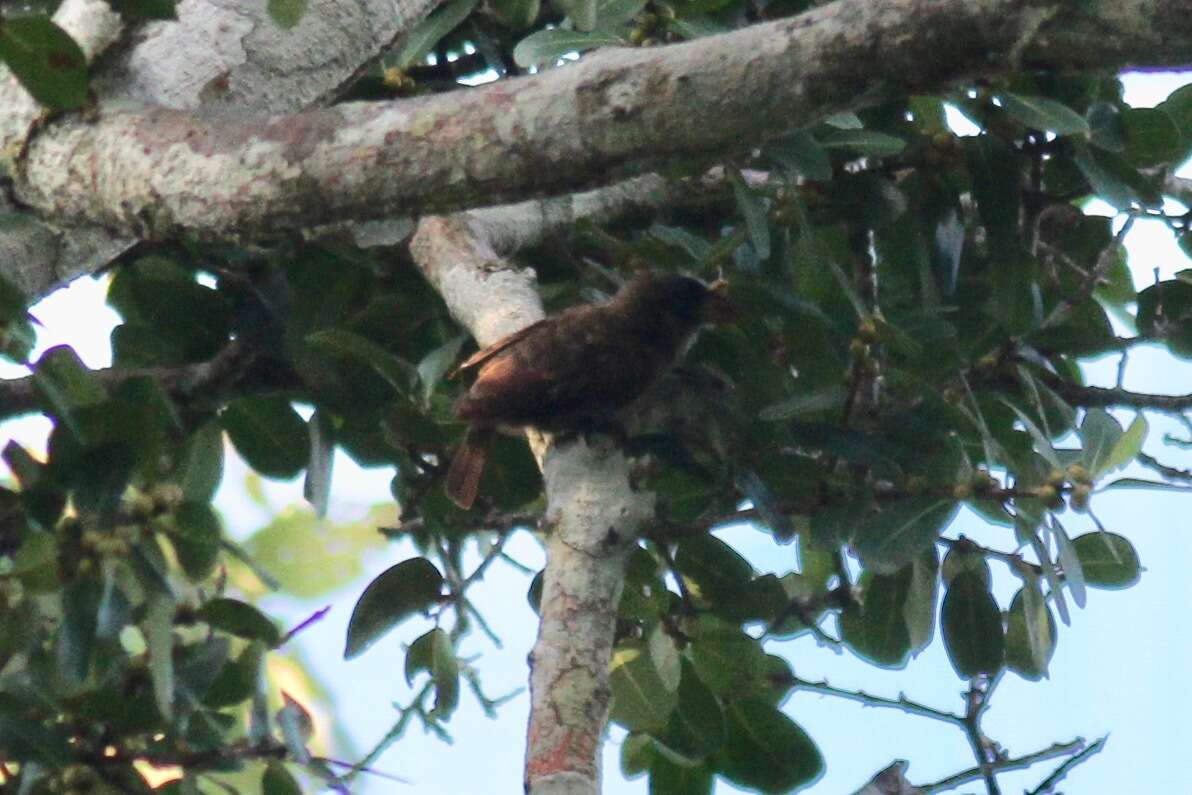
719 308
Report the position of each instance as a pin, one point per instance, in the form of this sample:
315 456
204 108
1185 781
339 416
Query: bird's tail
463 478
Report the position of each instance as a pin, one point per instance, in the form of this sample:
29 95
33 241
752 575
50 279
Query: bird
576 370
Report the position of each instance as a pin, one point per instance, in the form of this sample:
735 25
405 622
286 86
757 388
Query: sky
1120 669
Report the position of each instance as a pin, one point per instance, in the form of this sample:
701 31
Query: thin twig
1047 786
1003 765
901 703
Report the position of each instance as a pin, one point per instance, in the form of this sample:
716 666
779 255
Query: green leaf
518 14
146 9
66 385
269 434
196 539
200 466
76 636
435 365
297 727
995 178
158 629
670 778
276 780
1115 180
972 627
1165 313
1030 633
919 609
641 700
1041 113
1107 559
582 13
317 486
1100 434
287 13
766 750
664 653
713 569
240 619
901 530
1069 560
801 154
548 46
238 680
1152 137
753 210
828 398
46 61
423 37
396 594
696 727
398 373
877 630
434 654
863 142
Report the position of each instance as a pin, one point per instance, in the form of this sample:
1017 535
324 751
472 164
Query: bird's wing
484 354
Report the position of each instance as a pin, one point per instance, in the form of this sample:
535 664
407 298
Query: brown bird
573 371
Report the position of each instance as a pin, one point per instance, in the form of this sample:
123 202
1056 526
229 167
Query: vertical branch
593 515
984 749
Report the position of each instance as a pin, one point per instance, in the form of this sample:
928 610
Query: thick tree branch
216 55
155 173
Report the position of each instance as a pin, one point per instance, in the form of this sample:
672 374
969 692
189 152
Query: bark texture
155 173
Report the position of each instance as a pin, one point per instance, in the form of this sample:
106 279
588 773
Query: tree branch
616 113
1018 763
592 511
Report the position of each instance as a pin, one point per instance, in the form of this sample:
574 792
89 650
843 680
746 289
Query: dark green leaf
200 466
240 619
1165 313
276 780
396 594
1107 559
45 59
1041 113
901 531
863 142
398 373
1115 180
76 637
696 727
66 385
1152 137
434 654
158 629
671 778
269 434
714 570
753 210
801 154
1030 633
197 538
877 630
423 37
766 750
547 46
972 627
518 14
641 700
1100 434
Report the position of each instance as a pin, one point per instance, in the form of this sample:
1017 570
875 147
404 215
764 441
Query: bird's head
686 300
